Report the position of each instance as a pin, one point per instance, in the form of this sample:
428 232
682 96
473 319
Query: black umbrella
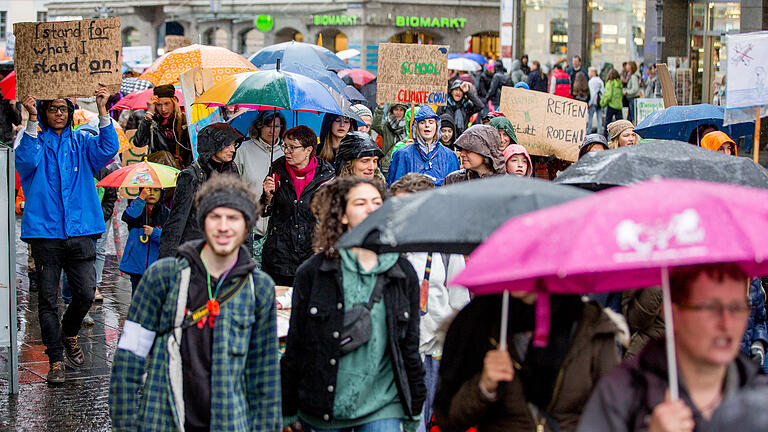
665 159
455 218
369 91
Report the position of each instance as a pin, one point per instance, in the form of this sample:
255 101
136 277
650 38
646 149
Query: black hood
215 137
446 120
42 107
353 146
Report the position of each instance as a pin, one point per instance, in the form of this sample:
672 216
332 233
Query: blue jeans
66 292
595 110
431 367
385 425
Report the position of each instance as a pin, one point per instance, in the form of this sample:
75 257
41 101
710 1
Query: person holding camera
164 127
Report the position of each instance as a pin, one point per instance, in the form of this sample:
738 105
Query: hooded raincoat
325 130
462 110
355 145
435 163
447 121
181 225
515 149
714 140
58 171
503 124
483 140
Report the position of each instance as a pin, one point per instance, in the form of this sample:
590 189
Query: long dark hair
329 205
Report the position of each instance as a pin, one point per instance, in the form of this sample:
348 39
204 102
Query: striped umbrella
142 174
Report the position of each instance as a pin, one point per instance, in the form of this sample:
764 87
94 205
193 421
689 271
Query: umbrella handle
144 238
674 390
504 321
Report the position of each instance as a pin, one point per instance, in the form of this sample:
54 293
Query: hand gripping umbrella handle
504 321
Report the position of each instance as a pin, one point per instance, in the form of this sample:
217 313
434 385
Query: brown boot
72 350
56 373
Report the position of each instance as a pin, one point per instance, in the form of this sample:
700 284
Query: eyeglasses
716 309
290 149
62 109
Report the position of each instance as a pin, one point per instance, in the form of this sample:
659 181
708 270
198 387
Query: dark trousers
75 256
135 279
610 116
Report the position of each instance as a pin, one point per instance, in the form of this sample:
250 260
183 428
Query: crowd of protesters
199 349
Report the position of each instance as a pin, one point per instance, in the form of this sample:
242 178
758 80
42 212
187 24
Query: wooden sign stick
756 144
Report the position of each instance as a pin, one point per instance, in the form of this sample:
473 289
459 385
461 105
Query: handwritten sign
544 123
173 42
747 83
67 58
410 73
647 106
137 56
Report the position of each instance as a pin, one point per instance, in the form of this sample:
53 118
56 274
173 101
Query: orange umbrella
81 117
220 61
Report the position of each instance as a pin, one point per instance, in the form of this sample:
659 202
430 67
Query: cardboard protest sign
647 106
410 73
137 56
173 42
544 123
747 84
67 58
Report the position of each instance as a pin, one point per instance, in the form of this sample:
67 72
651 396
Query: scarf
458 113
167 128
397 127
307 173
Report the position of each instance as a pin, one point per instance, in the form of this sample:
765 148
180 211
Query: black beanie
229 198
167 90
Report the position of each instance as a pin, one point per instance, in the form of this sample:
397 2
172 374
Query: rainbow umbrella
142 174
220 61
276 89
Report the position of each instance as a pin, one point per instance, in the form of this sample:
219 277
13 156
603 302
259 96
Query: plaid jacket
245 375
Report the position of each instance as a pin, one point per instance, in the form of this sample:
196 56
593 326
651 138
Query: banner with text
410 73
647 106
544 123
67 58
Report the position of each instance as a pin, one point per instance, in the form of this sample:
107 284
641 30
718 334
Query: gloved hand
757 352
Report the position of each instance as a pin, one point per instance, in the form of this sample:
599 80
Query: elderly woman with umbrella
287 196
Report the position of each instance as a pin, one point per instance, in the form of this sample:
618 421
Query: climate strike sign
410 73
68 58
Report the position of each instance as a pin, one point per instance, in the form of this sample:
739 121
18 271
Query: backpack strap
198 171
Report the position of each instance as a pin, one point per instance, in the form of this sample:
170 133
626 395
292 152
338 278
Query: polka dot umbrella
220 61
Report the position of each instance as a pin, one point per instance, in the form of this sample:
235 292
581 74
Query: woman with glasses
288 192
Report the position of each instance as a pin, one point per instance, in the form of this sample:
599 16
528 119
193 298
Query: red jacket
563 83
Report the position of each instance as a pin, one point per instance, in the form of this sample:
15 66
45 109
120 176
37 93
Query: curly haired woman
352 360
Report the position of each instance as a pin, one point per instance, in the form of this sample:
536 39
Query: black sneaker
56 373
32 281
72 351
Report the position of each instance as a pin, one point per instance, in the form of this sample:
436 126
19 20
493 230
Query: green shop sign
335 20
430 22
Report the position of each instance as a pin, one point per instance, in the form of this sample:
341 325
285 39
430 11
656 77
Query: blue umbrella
677 122
475 57
300 53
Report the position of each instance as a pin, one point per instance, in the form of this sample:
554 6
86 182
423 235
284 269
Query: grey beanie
230 198
360 110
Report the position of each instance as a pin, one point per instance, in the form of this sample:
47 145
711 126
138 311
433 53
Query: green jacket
388 136
613 95
245 373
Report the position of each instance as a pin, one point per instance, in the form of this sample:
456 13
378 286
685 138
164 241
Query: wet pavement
81 404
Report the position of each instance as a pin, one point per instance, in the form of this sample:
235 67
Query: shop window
618 31
339 42
288 34
222 38
558 44
131 36
412 37
486 43
251 41
3 25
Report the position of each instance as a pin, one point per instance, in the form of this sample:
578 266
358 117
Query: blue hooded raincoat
58 171
438 163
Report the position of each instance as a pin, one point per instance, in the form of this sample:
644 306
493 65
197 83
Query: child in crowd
145 219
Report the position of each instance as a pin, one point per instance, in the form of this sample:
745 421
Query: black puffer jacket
310 364
182 225
291 225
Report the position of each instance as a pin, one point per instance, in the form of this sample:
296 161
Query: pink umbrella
8 86
623 238
138 100
360 77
